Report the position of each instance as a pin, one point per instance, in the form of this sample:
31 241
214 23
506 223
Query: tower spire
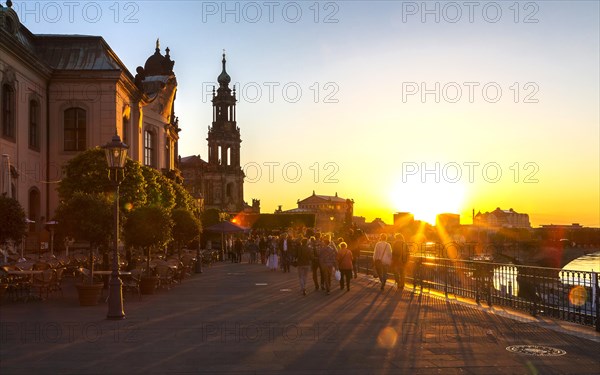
224 78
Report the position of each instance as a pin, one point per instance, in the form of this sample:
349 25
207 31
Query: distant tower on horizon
223 177
219 182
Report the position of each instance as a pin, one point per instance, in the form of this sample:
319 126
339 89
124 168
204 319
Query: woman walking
382 258
344 259
327 261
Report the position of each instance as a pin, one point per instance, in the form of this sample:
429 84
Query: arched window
75 129
149 149
125 129
8 112
34 125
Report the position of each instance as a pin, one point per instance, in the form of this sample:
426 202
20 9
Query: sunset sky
489 105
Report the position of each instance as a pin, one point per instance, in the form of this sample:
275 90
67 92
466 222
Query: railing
566 295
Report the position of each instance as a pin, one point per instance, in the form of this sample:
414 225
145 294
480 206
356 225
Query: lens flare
387 338
128 206
578 295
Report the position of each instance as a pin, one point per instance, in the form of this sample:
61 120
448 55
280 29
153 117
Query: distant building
403 219
502 219
359 220
331 212
448 221
219 182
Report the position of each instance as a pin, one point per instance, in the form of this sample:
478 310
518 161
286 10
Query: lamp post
199 205
116 153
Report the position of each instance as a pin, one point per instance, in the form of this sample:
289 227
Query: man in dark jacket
304 258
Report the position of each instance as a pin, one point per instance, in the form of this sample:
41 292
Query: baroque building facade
502 219
331 211
219 182
63 94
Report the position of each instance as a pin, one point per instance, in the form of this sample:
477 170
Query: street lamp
199 205
116 153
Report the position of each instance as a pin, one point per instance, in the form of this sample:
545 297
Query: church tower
224 178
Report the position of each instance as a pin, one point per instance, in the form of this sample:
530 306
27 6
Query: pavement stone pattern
244 319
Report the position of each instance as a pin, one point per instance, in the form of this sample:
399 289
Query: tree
210 217
148 227
158 188
87 217
12 220
142 185
88 172
186 227
183 199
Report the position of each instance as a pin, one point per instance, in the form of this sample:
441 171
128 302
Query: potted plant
146 228
87 217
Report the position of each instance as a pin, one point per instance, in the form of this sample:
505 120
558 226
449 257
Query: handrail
561 294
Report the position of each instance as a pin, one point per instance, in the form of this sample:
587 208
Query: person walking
344 260
327 261
304 257
285 249
400 258
252 247
262 245
273 261
315 247
238 247
382 258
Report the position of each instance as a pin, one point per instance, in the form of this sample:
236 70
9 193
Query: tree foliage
210 217
12 220
88 172
86 217
186 227
183 199
149 226
158 188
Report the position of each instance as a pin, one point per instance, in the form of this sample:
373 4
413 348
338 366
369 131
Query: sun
425 200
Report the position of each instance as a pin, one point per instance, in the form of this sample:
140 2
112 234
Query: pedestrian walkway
243 319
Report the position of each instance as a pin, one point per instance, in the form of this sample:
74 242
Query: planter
89 294
148 284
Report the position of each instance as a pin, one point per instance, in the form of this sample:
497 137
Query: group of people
323 258
317 254
391 258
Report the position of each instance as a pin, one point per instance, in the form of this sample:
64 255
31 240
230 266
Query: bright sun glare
426 200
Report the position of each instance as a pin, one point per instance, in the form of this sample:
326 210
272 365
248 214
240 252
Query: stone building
502 219
219 182
331 212
63 94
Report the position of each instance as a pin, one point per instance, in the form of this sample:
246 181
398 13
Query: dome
224 78
157 64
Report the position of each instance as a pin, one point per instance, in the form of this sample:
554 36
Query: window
75 129
149 148
125 130
8 112
34 125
